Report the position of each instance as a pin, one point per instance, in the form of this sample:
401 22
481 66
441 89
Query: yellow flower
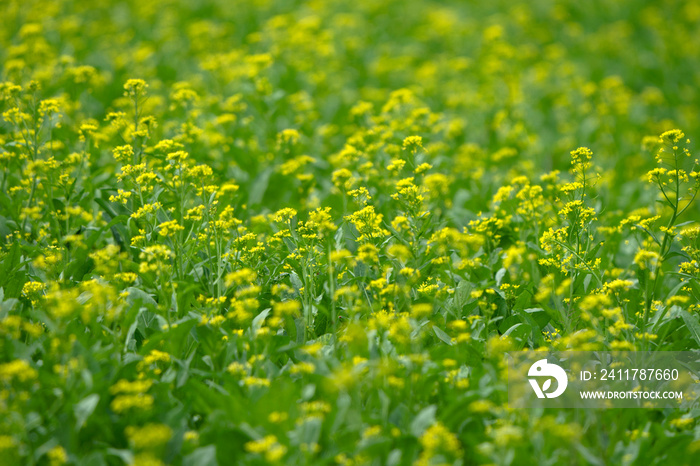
438 440
57 456
321 221
672 136
256 382
368 223
644 258
284 215
421 310
240 277
287 137
146 459
123 153
137 386
150 436
138 401
413 143
368 254
146 209
313 348
33 290
135 88
372 431
267 446
156 356
618 285
170 228
6 443
18 369
286 308
191 436
302 368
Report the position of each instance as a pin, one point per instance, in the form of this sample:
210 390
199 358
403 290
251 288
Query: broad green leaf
692 324
203 456
442 335
84 408
423 420
259 319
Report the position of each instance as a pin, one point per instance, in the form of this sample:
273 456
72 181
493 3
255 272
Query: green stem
662 252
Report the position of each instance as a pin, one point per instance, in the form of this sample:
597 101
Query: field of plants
286 232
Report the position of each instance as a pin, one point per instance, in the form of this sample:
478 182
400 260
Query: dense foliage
272 231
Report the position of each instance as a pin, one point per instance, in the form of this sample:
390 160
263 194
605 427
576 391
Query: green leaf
97 234
461 295
136 294
126 455
519 331
130 340
84 408
311 431
499 276
259 186
174 339
648 232
691 322
296 282
259 319
442 335
536 314
11 278
423 420
10 261
394 458
344 402
203 456
589 456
